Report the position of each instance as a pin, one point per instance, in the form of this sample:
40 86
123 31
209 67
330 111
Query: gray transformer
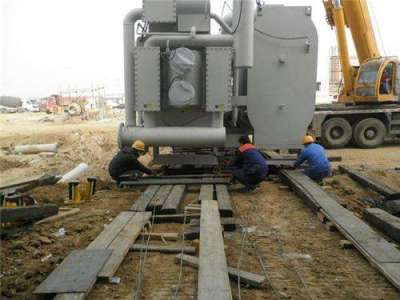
188 89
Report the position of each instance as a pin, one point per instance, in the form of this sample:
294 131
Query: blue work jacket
315 155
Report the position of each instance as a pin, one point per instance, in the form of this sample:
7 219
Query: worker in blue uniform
319 166
250 168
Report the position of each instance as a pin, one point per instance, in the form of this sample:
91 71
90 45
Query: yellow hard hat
308 139
138 145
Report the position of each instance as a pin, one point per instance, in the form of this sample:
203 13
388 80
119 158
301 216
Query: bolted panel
218 79
160 11
147 79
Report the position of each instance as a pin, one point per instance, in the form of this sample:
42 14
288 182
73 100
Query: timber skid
207 218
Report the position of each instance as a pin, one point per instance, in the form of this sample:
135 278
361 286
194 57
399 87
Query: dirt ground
301 258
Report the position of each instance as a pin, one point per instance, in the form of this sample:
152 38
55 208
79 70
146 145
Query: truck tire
369 133
336 133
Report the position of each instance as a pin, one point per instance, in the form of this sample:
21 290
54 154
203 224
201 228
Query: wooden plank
247 278
175 181
172 203
7 184
213 280
159 198
176 218
385 222
179 176
167 236
163 248
273 154
145 198
192 233
76 274
224 201
206 192
370 183
379 252
70 296
60 215
27 213
111 231
121 244
228 224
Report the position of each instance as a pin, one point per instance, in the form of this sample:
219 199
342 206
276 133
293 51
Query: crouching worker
126 163
319 166
250 167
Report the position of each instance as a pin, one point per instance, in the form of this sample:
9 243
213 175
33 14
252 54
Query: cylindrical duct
243 31
199 41
173 136
129 64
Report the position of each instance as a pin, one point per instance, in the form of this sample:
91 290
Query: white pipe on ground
74 173
34 149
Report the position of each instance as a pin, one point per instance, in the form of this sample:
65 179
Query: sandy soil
302 259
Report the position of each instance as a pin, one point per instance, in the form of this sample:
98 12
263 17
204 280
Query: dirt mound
6 164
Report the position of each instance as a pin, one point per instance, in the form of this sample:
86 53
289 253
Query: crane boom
358 19
376 78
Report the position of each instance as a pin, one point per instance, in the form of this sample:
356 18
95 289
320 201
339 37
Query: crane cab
378 80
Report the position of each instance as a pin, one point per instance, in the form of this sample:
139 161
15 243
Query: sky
48 46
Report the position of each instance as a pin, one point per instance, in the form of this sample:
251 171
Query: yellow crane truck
368 110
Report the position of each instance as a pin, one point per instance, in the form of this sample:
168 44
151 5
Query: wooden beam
206 192
76 274
60 215
145 198
163 248
213 280
167 236
176 218
251 279
121 244
370 183
228 224
385 222
192 233
27 213
172 203
379 252
111 231
159 198
175 181
224 201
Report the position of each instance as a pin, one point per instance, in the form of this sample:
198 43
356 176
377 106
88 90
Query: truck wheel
369 133
336 133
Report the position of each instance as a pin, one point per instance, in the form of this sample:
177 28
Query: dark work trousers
317 175
247 179
129 176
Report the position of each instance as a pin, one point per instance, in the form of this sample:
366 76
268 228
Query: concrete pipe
173 136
